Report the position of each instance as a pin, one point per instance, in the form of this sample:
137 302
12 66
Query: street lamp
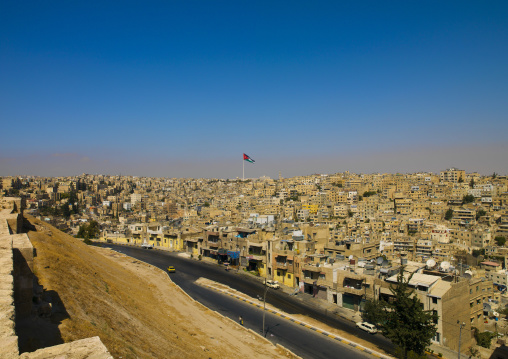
461 325
266 288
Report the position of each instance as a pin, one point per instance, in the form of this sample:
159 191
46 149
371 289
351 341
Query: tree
483 339
471 183
480 213
449 214
404 321
88 230
369 193
66 212
461 180
468 198
500 240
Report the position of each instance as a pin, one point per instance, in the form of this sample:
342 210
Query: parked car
272 284
371 328
171 269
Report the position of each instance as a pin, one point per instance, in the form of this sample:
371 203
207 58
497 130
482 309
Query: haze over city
182 89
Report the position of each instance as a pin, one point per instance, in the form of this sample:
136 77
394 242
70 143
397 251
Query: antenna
430 263
445 266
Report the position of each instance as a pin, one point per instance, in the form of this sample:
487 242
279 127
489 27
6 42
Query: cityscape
340 238
253 179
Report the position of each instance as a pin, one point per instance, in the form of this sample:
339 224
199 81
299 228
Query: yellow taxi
171 269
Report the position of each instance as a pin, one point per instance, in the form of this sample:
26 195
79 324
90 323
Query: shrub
484 339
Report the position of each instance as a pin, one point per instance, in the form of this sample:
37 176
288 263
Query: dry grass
134 308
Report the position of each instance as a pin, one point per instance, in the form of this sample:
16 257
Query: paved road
302 341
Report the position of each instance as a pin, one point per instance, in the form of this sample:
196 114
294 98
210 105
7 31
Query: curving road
300 340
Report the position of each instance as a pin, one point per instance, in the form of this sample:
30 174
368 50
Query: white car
272 284
371 328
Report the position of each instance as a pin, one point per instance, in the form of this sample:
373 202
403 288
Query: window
436 337
434 300
289 276
436 318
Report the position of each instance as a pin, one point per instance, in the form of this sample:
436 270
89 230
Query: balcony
281 265
350 290
284 253
354 276
256 257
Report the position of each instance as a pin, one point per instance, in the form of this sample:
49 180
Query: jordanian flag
247 158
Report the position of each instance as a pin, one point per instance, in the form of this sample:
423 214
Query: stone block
9 347
90 348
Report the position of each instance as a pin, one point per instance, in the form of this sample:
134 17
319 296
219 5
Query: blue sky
182 89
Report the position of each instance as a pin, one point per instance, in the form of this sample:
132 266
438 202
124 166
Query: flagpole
243 170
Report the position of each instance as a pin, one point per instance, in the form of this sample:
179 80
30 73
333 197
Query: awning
222 251
233 254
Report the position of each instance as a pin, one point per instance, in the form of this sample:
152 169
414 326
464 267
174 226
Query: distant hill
134 308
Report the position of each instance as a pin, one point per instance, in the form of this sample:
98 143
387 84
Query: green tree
369 193
483 339
88 230
404 321
471 183
461 180
66 212
468 198
480 213
449 214
500 240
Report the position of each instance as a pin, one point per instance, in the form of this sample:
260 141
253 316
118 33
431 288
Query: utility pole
461 325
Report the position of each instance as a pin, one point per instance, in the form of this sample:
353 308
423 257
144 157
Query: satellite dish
385 263
430 263
351 257
468 272
468 276
445 266
379 260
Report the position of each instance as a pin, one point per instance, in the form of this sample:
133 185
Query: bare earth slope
134 308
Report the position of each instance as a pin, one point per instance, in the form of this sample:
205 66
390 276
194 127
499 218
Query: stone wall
16 291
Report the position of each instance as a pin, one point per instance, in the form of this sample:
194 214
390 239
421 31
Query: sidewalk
329 309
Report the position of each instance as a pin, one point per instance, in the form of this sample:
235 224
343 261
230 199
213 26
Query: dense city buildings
341 237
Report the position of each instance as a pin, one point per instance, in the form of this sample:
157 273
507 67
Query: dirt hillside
134 308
